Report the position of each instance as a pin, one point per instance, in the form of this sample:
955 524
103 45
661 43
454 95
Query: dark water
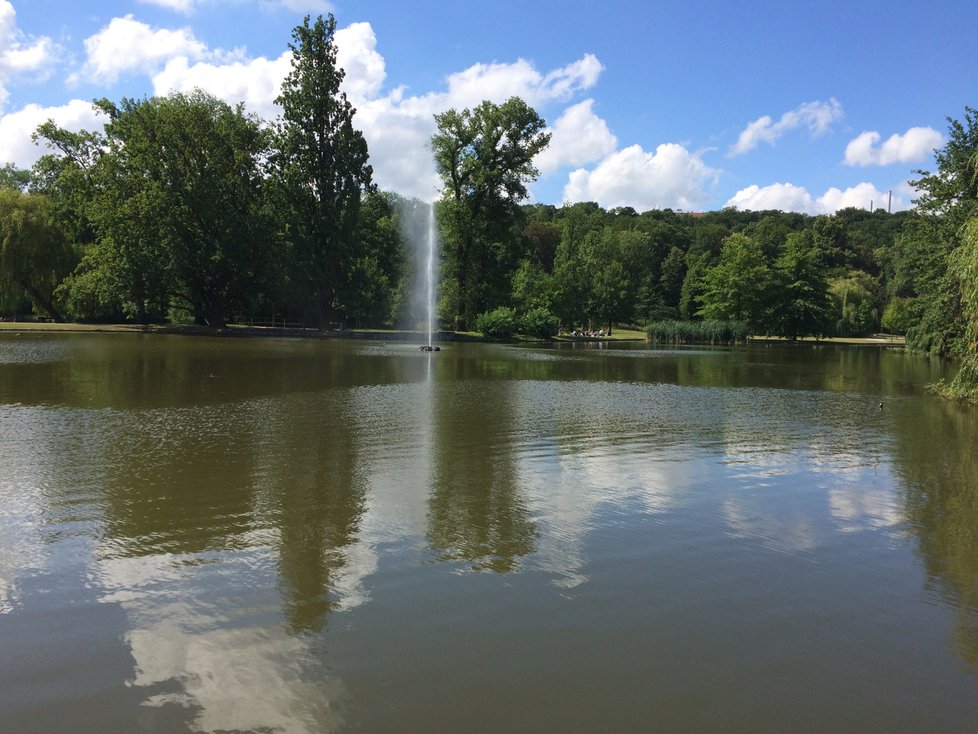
283 536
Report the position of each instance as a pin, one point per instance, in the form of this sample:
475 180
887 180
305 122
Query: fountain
432 240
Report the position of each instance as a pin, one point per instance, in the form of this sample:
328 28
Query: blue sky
694 105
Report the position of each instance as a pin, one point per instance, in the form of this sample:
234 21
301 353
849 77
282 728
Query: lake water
221 535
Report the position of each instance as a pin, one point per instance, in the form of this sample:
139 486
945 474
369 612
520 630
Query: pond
213 535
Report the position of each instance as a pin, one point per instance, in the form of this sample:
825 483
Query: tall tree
485 159
803 305
739 286
179 207
322 165
949 198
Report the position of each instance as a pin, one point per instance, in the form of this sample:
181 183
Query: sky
693 105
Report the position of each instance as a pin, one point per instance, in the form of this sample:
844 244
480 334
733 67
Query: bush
500 323
898 316
539 322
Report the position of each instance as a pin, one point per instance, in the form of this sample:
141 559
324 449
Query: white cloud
780 196
16 128
790 198
356 53
19 54
861 196
498 82
578 137
256 83
671 177
911 147
816 116
180 6
127 45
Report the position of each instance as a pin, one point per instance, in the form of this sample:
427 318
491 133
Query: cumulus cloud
356 53
499 82
128 45
578 137
19 54
256 82
670 177
911 147
816 116
788 197
861 196
16 128
781 196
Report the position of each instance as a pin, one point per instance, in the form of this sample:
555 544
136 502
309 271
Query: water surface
211 535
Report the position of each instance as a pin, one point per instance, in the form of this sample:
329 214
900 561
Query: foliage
739 286
801 302
12 177
500 323
35 254
322 167
964 268
854 311
539 322
898 316
181 198
484 157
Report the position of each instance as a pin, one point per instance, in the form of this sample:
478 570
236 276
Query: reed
697 332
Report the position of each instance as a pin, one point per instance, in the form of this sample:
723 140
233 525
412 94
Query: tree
485 159
34 251
853 301
321 161
12 177
367 293
953 189
180 207
964 268
738 287
802 302
948 200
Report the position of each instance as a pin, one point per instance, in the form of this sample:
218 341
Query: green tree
369 291
853 299
485 159
12 177
964 268
739 286
948 199
802 304
180 208
66 174
35 254
322 165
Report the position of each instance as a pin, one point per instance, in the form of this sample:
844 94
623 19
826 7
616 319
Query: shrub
500 323
898 316
539 322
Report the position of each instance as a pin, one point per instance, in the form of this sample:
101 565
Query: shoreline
277 332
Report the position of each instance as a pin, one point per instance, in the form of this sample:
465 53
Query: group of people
584 332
